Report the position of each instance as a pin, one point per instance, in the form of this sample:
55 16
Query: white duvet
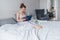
50 31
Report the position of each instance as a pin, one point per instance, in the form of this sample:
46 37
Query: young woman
24 31
20 17
28 30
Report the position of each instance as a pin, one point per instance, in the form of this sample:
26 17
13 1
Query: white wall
58 15
43 4
8 8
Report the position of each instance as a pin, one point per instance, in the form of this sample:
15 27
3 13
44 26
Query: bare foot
38 27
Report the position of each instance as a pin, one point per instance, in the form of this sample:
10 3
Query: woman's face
23 10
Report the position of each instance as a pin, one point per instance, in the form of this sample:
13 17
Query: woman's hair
22 5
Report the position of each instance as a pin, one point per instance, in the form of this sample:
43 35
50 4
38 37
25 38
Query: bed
50 31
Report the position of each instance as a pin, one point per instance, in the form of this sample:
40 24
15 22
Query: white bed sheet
50 31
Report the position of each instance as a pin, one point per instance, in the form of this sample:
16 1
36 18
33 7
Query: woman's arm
19 19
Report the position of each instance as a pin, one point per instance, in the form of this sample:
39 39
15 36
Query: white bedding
50 31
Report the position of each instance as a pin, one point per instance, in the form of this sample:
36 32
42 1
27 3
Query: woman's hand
22 20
